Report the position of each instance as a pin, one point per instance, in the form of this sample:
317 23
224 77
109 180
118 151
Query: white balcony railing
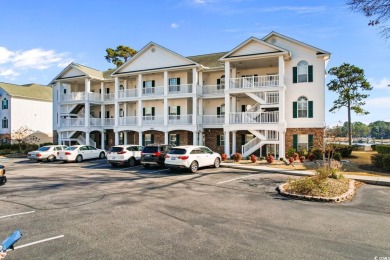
129 120
213 119
180 119
151 120
109 121
72 122
254 117
212 89
132 92
95 121
74 96
94 96
153 91
254 82
109 96
180 89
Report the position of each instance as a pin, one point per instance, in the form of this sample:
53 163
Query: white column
194 80
116 141
166 137
227 96
139 117
200 111
201 138
282 105
102 140
166 83
281 70
87 138
194 110
234 142
195 137
227 143
234 104
200 80
227 107
125 137
103 114
57 104
86 105
102 91
281 144
140 85
166 112
140 138
116 104
227 75
59 137
125 109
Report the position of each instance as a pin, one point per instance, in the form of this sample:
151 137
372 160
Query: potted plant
291 160
270 159
224 157
312 157
296 156
302 158
253 158
237 157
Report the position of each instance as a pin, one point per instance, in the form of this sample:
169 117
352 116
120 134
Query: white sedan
47 152
78 153
191 157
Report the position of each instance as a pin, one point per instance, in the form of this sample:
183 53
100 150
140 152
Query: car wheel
194 166
217 162
131 162
79 158
102 155
146 165
51 158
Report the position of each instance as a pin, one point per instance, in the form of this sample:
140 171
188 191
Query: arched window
302 107
4 123
4 103
303 71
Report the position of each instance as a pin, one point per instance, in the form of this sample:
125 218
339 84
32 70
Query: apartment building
263 96
26 105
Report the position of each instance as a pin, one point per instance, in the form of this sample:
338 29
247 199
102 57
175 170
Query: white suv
191 157
124 155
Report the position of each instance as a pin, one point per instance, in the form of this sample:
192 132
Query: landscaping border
347 195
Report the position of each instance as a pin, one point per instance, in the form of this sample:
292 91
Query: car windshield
150 149
44 148
177 151
116 149
71 148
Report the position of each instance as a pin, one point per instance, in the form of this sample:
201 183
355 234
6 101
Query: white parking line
234 179
37 242
17 214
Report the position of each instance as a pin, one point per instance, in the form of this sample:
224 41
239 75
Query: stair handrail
249 145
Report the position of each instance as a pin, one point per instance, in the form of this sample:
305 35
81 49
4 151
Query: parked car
46 153
78 153
191 157
154 154
124 155
3 179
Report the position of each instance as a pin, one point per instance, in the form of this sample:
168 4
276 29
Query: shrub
337 156
282 159
376 160
386 162
224 156
290 152
237 157
253 158
302 158
302 186
270 158
344 150
302 153
296 156
317 153
311 157
383 149
373 147
291 159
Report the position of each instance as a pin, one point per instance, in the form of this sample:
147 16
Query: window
121 138
221 82
303 142
4 103
121 113
303 108
148 113
174 112
148 86
5 122
303 72
174 84
174 139
221 111
121 88
148 139
220 140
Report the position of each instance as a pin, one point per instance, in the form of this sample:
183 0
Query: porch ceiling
256 63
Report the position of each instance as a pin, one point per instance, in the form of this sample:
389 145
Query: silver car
46 153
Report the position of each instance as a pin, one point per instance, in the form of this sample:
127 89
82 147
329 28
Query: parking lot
90 210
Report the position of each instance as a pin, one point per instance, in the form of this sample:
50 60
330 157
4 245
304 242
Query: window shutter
310 73
218 140
218 83
242 139
295 109
152 138
295 142
107 90
310 137
218 110
243 108
143 84
143 139
310 109
152 111
177 139
178 81
169 110
295 74
178 110
143 111
153 83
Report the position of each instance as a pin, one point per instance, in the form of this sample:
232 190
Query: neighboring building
264 96
26 105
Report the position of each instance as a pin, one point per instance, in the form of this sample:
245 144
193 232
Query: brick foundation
318 136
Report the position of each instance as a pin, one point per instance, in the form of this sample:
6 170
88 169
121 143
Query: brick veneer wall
7 136
132 137
210 136
318 136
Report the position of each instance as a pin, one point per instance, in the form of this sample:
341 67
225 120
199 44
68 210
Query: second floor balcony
254 117
253 82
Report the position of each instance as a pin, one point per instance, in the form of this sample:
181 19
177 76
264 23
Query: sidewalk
375 180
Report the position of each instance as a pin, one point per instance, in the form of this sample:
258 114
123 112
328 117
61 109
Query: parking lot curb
374 180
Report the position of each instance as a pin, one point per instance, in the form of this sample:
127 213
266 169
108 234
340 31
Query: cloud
199 2
379 84
380 102
14 63
297 9
174 25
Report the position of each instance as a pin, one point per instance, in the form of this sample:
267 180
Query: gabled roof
176 60
75 70
31 91
262 48
209 61
319 51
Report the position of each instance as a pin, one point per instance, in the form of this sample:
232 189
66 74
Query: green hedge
381 161
373 147
383 149
343 149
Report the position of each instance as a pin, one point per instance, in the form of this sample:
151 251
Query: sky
39 39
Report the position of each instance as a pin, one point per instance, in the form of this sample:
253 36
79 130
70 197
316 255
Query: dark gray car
154 154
